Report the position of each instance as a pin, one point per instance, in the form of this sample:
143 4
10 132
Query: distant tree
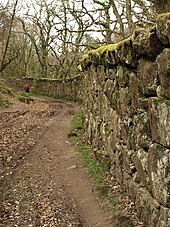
38 27
6 60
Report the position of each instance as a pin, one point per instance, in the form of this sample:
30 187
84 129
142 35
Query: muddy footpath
43 180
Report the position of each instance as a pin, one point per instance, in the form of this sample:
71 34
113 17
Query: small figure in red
26 88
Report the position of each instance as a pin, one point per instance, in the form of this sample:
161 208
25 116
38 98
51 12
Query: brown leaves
24 202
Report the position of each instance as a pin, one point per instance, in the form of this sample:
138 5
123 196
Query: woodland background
45 38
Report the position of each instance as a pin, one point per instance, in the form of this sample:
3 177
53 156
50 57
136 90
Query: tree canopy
45 38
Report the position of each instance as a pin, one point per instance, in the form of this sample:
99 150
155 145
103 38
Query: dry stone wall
127 116
70 89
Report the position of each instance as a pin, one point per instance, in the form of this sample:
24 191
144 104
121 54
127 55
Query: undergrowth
93 166
7 93
4 102
24 97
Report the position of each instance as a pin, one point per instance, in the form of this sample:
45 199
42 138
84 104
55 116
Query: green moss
84 58
62 80
160 149
137 32
102 55
112 47
128 98
142 38
104 49
93 166
101 50
123 42
166 52
157 101
163 15
50 79
76 124
152 29
98 52
93 54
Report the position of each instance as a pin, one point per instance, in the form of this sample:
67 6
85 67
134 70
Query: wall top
144 42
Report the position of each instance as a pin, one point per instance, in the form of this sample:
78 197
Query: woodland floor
43 181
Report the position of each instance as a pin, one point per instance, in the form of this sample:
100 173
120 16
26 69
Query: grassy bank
93 166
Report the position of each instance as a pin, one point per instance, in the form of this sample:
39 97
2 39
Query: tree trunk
4 64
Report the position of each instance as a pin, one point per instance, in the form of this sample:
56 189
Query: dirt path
43 180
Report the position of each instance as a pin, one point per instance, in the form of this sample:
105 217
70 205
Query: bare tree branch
3 64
